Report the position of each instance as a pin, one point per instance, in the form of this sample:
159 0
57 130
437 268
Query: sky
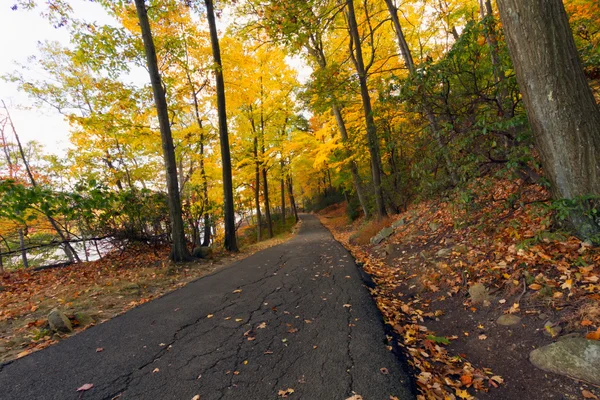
20 32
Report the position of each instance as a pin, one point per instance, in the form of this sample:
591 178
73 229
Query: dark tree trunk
366 100
257 190
561 107
282 187
230 239
266 199
291 196
179 251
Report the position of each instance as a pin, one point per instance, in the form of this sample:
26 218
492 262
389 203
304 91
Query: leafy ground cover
93 292
471 283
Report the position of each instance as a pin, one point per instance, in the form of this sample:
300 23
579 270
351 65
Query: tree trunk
257 190
179 251
561 108
230 239
23 251
291 196
266 200
282 187
366 100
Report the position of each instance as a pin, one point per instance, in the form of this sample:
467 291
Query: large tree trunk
562 111
179 251
230 239
366 100
266 199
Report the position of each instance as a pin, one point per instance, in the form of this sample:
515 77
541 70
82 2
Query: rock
508 320
83 318
576 358
443 252
434 226
479 293
552 330
398 224
59 322
543 316
382 235
202 252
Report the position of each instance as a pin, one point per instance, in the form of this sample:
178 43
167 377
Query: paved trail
303 320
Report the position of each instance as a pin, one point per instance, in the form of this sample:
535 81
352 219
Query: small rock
576 358
83 318
398 224
543 316
443 252
202 252
382 235
552 330
434 226
508 320
479 293
59 322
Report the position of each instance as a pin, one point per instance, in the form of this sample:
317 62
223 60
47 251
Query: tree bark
257 189
282 188
179 251
230 239
561 108
368 111
291 196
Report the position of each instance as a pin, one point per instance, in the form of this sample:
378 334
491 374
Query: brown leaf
384 371
588 395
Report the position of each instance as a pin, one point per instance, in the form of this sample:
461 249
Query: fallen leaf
99 349
85 387
586 322
292 330
196 397
535 286
384 371
262 325
209 316
347 305
588 395
355 397
238 320
155 370
286 392
237 291
593 335
466 380
482 337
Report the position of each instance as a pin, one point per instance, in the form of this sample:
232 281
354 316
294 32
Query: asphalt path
295 316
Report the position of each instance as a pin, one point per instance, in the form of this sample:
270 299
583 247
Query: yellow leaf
535 286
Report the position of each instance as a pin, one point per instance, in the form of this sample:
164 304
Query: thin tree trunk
291 196
23 251
230 239
560 105
257 190
366 100
263 165
179 251
282 187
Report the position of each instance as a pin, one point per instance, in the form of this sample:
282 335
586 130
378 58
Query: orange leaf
593 335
